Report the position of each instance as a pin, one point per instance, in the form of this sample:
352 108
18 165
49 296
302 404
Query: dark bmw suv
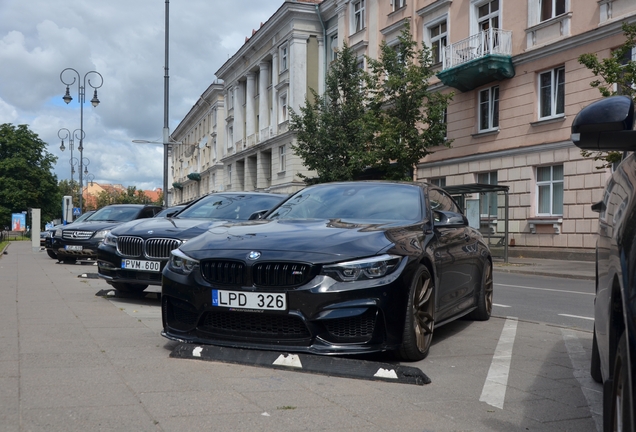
607 125
133 254
80 240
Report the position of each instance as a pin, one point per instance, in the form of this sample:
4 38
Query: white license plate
151 266
249 300
73 248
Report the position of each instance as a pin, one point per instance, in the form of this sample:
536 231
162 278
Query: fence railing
491 41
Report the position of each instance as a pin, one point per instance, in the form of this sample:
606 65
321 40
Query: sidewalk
548 267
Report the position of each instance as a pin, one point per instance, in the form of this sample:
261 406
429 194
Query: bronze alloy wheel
621 398
420 317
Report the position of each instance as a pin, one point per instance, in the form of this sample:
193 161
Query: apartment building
511 64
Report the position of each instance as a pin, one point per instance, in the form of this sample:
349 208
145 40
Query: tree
618 73
26 174
332 138
407 118
384 121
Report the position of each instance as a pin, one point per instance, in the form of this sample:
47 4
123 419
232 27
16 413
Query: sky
124 41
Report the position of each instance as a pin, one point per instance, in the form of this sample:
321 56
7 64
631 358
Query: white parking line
494 391
545 289
500 305
592 391
577 316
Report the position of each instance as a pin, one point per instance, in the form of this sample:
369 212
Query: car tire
129 288
419 321
595 362
484 300
51 254
67 260
621 403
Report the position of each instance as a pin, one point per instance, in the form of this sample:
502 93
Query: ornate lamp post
81 91
66 134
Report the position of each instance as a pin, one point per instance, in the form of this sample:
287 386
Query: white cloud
124 42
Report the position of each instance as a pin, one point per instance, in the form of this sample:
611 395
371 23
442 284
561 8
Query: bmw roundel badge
254 255
150 232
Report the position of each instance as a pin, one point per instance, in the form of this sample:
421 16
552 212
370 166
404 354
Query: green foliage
407 118
618 73
384 120
129 196
332 135
26 174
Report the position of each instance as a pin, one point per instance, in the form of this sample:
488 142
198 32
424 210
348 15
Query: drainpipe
324 39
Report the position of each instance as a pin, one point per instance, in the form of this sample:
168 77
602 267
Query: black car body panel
150 241
289 256
80 240
607 125
50 233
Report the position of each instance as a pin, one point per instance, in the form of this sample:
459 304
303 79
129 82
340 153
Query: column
238 114
263 105
274 118
298 71
250 117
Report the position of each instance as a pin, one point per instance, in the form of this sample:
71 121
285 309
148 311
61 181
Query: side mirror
598 207
606 125
449 219
257 215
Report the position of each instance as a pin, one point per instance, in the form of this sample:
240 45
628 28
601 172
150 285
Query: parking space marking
494 391
500 305
577 316
592 390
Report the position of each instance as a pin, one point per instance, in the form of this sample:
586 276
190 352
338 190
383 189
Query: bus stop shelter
497 241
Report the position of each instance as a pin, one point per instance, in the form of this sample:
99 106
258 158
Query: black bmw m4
337 268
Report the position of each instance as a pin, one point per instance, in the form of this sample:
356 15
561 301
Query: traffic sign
76 211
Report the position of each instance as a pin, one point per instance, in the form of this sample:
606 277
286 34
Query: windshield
366 201
84 217
229 207
115 214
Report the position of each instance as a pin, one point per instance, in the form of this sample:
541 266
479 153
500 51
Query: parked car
133 254
337 268
81 239
606 125
170 211
48 237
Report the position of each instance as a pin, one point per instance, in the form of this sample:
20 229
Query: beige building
517 83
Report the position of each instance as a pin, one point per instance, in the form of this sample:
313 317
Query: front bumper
355 321
88 248
109 268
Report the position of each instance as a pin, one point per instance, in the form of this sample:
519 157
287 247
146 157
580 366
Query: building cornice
434 7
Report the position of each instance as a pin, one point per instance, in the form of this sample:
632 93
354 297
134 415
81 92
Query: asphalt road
559 301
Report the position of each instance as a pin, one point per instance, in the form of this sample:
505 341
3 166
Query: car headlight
101 234
363 269
181 263
58 232
110 240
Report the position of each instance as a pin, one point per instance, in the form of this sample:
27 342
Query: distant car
133 254
337 268
80 240
170 211
51 232
606 125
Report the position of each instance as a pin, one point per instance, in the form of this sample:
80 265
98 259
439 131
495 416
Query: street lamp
81 91
89 178
66 134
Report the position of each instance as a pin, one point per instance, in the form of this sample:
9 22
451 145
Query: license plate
73 248
151 266
249 300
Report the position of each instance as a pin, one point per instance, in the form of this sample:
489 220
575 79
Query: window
438 41
230 136
358 16
229 174
439 182
551 8
550 190
629 56
333 47
489 109
284 57
282 158
445 124
283 108
488 15
398 4
439 200
552 93
488 201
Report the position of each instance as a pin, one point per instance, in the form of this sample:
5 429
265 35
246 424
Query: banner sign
18 222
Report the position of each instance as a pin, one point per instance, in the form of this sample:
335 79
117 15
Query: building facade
512 67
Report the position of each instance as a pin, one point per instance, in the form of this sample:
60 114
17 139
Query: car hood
300 240
182 229
91 226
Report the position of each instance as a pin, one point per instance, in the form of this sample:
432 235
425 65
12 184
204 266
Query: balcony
480 59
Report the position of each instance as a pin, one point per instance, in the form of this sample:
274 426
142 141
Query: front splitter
308 363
